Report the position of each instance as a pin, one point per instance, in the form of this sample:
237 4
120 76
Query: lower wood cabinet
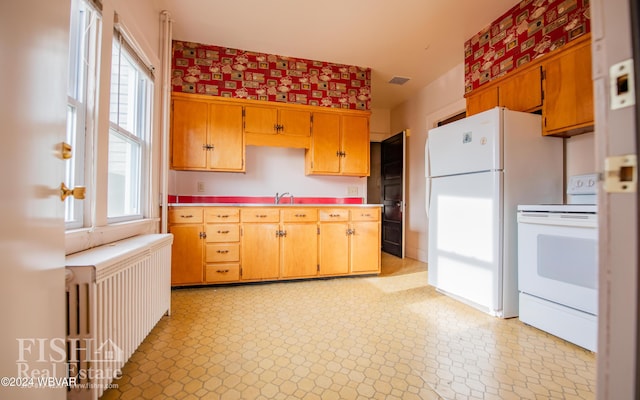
185 223
334 241
260 243
299 241
222 244
365 241
214 244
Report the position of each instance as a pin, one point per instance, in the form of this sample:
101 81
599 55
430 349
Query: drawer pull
222 251
334 215
365 215
222 216
222 271
261 215
223 232
301 215
186 216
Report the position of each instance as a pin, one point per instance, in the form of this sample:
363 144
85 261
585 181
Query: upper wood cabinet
523 93
210 134
568 105
206 135
272 125
482 100
558 84
339 145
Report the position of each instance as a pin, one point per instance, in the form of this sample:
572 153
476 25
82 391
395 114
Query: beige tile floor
384 337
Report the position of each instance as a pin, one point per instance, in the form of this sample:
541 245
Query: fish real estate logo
65 362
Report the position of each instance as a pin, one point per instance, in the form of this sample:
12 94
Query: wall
222 71
439 100
268 170
580 155
525 32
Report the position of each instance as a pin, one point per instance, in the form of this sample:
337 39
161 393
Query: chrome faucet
280 196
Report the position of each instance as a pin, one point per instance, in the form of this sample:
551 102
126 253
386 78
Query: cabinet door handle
222 251
223 232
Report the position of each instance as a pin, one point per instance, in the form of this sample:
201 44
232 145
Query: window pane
128 154
124 176
125 94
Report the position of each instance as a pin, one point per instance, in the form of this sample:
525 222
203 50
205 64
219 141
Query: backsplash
226 72
527 31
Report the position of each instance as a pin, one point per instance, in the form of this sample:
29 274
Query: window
129 132
83 63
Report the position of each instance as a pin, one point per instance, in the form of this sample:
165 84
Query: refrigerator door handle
428 197
427 162
427 175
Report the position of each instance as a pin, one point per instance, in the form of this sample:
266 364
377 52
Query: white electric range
558 264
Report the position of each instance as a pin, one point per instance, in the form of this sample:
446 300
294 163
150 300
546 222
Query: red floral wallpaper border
226 72
529 30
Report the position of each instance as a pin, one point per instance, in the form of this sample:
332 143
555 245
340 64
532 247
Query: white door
465 257
469 145
34 45
616 135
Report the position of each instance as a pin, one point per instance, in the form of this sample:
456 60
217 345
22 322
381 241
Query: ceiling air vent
398 80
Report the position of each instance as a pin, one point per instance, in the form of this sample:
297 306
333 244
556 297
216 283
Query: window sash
130 122
85 28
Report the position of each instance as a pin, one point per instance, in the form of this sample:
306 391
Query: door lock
621 174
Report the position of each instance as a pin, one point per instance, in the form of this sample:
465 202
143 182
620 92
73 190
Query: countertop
274 205
266 201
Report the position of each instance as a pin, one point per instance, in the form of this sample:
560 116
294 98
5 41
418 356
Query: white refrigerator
478 170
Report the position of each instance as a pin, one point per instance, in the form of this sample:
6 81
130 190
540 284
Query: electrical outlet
352 191
200 187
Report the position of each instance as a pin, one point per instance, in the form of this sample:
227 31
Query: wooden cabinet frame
220 244
558 85
209 133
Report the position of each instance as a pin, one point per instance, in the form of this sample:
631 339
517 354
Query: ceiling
417 39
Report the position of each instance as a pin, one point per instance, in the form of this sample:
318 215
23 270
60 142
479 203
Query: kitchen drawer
365 214
222 273
334 214
222 233
221 214
185 215
222 252
260 214
299 215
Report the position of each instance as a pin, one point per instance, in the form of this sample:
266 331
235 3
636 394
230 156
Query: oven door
558 258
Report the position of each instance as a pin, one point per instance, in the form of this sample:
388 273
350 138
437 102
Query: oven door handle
565 220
